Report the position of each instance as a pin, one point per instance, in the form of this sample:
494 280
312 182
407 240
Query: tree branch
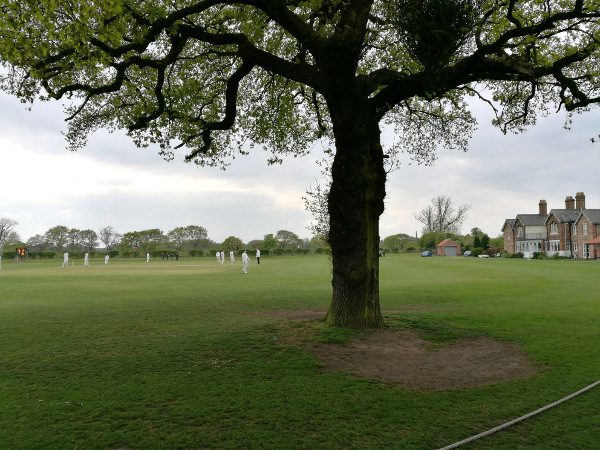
302 73
228 120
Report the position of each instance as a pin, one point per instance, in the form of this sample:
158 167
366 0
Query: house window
520 232
574 230
553 228
584 229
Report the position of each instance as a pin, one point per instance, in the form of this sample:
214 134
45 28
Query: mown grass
179 355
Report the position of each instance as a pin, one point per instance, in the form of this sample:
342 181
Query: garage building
448 247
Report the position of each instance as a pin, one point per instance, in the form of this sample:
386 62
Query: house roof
593 215
510 223
448 243
596 241
531 219
564 215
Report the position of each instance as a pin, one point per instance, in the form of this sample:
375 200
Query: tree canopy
442 215
287 239
6 228
232 243
216 77
109 237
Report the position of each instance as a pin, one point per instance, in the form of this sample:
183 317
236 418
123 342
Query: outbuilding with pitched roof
448 247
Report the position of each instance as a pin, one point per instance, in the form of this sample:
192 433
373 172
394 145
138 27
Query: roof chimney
569 203
580 199
543 208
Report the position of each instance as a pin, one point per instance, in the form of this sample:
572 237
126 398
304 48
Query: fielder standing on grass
257 256
86 260
245 261
65 259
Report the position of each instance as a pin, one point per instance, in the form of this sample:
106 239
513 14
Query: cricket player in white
86 259
245 261
65 259
231 256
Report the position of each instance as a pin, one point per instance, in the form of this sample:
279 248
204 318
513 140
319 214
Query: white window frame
584 228
553 228
574 230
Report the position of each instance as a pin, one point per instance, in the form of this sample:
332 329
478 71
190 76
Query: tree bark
355 204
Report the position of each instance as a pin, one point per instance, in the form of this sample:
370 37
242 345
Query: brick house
586 229
566 232
560 230
448 247
508 231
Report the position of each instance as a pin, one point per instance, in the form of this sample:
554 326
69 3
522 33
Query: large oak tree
216 78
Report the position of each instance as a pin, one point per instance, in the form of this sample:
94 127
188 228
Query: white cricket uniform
245 261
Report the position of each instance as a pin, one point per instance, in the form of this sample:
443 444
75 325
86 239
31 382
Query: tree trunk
355 204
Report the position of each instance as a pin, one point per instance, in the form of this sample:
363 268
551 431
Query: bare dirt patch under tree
404 357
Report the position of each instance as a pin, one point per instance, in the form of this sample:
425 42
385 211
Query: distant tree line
191 240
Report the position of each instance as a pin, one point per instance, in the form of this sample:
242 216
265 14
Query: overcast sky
111 182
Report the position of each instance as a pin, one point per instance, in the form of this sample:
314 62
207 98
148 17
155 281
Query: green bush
476 251
493 251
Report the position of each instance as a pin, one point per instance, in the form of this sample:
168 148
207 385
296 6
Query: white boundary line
520 419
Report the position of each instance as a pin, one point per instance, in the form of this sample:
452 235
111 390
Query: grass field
173 355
